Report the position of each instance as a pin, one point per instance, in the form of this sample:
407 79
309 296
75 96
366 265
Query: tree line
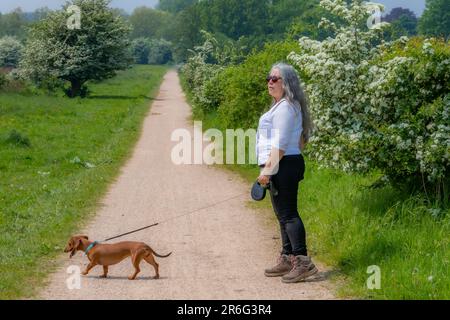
254 22
169 32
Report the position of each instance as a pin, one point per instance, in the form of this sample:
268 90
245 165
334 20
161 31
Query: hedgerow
379 105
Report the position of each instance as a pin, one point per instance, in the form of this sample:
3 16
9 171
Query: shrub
160 52
238 91
140 49
10 52
200 69
411 105
95 52
151 51
244 88
379 106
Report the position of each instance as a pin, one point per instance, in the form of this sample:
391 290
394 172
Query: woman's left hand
264 180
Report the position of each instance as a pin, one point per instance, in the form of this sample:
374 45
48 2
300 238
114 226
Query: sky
30 5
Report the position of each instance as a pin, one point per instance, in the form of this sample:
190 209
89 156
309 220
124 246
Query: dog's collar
91 246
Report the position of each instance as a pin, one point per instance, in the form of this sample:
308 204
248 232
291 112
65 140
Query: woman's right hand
264 180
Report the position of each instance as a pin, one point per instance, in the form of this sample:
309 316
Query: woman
282 133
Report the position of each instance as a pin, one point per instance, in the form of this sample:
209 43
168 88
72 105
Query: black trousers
286 181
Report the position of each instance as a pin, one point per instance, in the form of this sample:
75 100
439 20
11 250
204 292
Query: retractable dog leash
258 192
164 221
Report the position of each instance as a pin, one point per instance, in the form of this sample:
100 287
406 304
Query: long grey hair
296 95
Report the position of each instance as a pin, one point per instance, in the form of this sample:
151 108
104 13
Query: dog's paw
156 277
131 278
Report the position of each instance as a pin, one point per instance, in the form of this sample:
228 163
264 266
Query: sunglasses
273 78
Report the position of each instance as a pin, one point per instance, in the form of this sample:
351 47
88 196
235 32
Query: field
58 156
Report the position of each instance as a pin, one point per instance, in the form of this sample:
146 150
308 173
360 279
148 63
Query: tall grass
57 158
351 227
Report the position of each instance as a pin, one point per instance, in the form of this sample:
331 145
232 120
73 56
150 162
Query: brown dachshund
110 254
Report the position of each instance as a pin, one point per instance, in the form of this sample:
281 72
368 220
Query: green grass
57 158
351 227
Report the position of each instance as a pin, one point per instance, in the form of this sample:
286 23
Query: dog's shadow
124 278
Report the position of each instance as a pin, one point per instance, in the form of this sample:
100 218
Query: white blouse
281 128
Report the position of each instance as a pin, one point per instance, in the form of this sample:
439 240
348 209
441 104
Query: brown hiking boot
302 269
283 267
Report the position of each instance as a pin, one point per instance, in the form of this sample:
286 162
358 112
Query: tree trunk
75 89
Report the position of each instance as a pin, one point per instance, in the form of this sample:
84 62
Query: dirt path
218 253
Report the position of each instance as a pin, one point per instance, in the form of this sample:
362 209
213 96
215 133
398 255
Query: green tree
435 20
307 24
160 52
236 18
140 48
150 23
94 52
187 26
175 6
13 24
284 12
39 14
403 22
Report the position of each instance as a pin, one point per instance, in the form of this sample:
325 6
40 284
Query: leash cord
173 218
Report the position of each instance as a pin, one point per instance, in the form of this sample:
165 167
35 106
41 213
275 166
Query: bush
160 52
94 52
238 91
10 52
381 106
140 48
410 91
244 88
151 51
199 70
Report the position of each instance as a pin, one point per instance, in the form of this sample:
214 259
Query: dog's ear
70 247
75 245
81 236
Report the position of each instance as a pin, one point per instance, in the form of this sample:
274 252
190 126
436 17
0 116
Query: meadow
58 157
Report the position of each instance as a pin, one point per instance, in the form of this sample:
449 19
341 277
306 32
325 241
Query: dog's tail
151 251
161 256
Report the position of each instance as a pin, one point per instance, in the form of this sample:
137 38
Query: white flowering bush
378 105
202 68
95 51
10 51
410 101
